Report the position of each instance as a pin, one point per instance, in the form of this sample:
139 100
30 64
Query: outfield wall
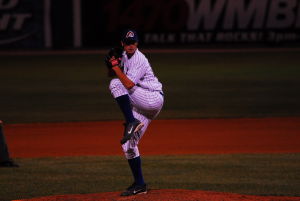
93 24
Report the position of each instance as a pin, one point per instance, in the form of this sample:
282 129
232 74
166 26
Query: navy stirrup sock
135 163
124 103
136 169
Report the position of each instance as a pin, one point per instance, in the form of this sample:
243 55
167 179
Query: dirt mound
166 195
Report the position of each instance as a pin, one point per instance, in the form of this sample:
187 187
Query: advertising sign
22 24
185 22
68 24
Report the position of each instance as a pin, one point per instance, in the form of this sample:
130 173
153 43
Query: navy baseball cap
129 36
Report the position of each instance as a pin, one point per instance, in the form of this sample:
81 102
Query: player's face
130 48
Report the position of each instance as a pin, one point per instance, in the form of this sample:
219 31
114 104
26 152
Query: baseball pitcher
140 97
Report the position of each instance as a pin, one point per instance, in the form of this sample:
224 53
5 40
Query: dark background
250 23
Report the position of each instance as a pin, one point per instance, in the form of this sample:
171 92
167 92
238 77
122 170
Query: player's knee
117 88
131 153
114 83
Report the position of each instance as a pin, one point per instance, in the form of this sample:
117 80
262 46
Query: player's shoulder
140 55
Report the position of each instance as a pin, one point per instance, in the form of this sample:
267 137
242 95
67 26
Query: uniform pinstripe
146 96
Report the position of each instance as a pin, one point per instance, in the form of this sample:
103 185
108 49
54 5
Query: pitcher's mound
166 195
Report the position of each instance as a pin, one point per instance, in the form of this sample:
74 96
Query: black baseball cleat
9 163
130 129
135 190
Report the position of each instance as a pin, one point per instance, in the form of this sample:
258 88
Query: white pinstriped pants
146 105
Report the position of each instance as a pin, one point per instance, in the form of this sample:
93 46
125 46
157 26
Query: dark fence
91 24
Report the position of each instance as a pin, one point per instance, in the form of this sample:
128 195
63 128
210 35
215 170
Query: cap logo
129 34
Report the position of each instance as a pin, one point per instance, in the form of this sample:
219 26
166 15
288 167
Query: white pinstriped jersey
139 71
146 97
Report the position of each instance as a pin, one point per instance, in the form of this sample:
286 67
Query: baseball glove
113 58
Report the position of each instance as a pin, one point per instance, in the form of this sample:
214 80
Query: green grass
58 88
256 174
196 85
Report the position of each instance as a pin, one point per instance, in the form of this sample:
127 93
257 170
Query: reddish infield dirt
164 137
